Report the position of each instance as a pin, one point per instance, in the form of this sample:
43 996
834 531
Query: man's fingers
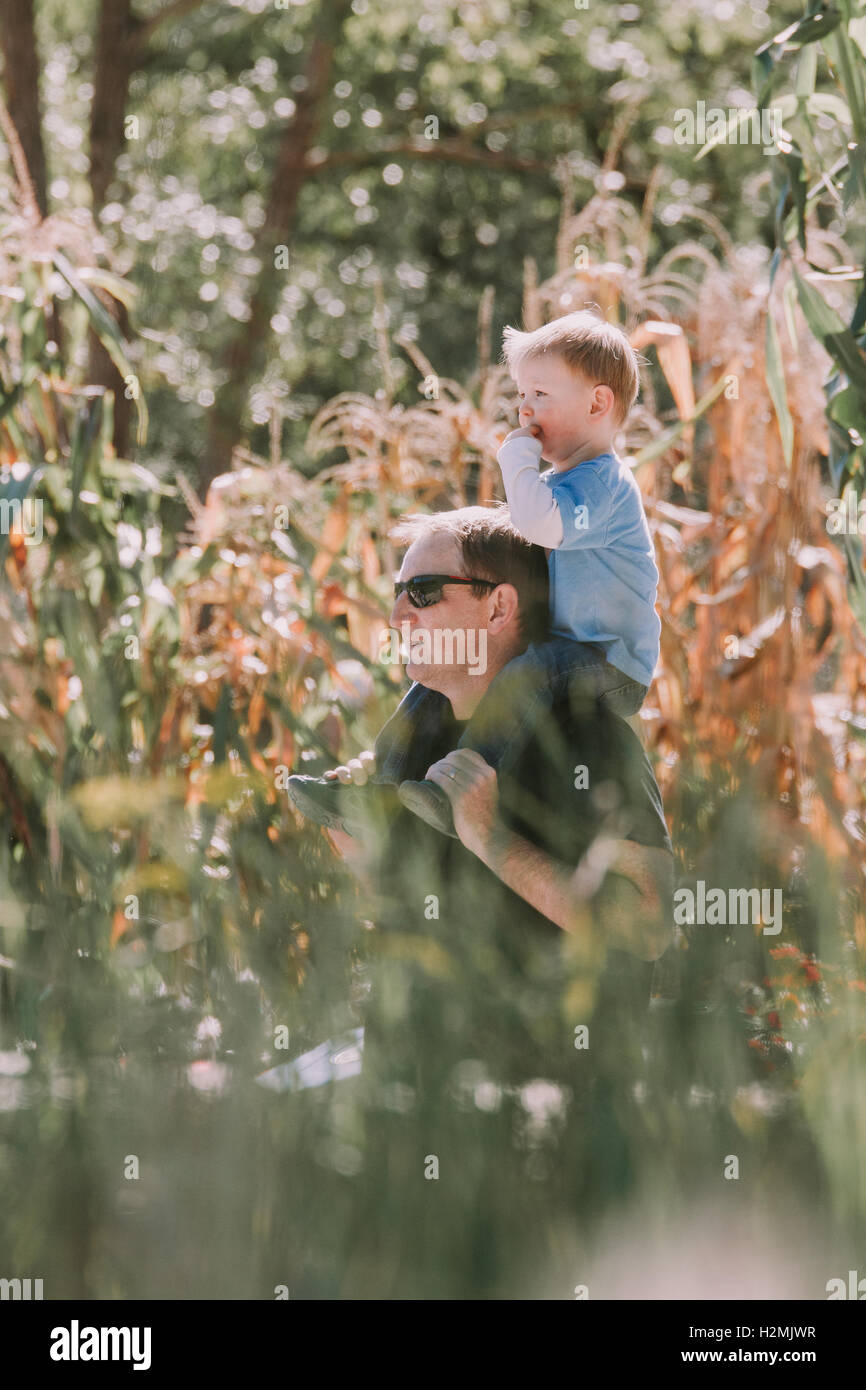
463 769
463 765
368 757
443 775
359 774
470 758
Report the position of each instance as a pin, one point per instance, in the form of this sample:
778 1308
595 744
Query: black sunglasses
426 589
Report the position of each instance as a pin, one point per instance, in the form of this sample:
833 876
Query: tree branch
176 9
450 151
506 119
454 151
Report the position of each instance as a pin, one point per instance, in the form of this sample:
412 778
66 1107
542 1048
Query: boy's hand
356 770
525 432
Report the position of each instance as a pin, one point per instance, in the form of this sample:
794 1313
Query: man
503 615
515 956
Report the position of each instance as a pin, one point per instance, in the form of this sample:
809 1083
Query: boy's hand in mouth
527 431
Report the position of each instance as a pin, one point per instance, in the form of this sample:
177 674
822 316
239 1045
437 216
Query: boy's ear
603 400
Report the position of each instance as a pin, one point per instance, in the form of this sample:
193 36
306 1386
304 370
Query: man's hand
471 786
356 770
620 888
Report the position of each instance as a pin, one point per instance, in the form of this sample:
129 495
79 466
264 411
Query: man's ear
504 607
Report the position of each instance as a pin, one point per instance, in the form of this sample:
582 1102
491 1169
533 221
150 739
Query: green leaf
803 31
765 76
101 319
77 624
857 32
848 408
840 456
789 295
845 64
828 104
807 71
223 725
857 585
106 330
8 401
785 106
119 289
775 376
827 326
795 220
135 477
855 186
86 430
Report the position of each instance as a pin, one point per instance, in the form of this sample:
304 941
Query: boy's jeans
505 718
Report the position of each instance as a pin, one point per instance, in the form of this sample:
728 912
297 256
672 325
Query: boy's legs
532 682
402 742
404 748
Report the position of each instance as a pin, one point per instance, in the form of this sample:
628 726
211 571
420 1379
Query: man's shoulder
587 727
570 717
585 765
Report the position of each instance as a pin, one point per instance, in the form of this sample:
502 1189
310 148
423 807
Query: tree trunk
114 61
21 77
116 53
246 352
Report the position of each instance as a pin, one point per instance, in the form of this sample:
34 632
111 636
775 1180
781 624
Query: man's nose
401 610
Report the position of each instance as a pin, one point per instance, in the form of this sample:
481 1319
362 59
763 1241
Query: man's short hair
589 344
492 548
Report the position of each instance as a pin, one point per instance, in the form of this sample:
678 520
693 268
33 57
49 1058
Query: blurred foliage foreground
170 931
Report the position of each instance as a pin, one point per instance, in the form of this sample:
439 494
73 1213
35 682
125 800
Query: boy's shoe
334 804
428 801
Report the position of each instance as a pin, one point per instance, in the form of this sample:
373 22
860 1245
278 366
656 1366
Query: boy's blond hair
589 344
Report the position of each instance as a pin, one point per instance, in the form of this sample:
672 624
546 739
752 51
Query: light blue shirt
603 577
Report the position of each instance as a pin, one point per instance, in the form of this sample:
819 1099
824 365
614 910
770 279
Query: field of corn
170 929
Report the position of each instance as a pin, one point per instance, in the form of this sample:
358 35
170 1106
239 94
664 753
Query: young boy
577 379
